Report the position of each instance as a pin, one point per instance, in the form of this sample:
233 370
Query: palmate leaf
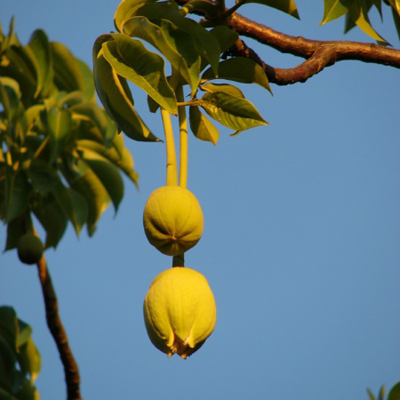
131 60
116 97
233 112
176 45
202 127
239 69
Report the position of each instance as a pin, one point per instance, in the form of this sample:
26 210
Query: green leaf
130 59
125 11
333 9
16 228
29 359
96 116
205 43
41 53
67 70
225 36
370 395
59 126
108 175
176 45
73 204
208 8
44 178
233 112
120 157
239 69
228 89
90 186
202 127
17 192
287 6
53 219
116 97
394 393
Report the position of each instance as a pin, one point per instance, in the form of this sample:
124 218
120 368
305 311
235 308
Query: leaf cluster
60 155
193 53
20 361
394 393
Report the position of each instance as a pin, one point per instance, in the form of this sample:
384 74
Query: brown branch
318 54
57 330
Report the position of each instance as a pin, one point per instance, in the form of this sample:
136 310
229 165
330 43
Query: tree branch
57 330
318 54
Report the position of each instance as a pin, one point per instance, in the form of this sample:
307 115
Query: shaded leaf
41 53
43 177
130 59
233 112
73 204
226 37
59 126
239 69
394 393
16 228
202 127
53 219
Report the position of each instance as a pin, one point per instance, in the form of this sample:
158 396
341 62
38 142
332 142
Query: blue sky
301 241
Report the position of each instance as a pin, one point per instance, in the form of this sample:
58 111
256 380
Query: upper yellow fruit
173 220
29 248
179 311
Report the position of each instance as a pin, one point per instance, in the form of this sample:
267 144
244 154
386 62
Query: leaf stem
172 170
183 137
71 371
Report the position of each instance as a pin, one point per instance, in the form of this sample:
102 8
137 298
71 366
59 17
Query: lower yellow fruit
179 311
29 248
173 220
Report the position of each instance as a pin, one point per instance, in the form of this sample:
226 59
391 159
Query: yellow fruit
29 248
179 311
173 220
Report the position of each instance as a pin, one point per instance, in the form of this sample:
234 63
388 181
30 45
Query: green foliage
394 393
356 12
60 155
20 360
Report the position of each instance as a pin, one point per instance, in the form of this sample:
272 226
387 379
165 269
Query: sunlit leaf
333 9
287 6
201 126
206 44
116 97
233 112
178 47
125 11
228 89
130 59
240 69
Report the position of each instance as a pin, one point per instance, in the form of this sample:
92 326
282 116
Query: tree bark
57 330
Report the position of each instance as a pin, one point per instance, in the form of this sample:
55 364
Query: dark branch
57 330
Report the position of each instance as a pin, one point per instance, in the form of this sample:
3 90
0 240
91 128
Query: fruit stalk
183 137
172 170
